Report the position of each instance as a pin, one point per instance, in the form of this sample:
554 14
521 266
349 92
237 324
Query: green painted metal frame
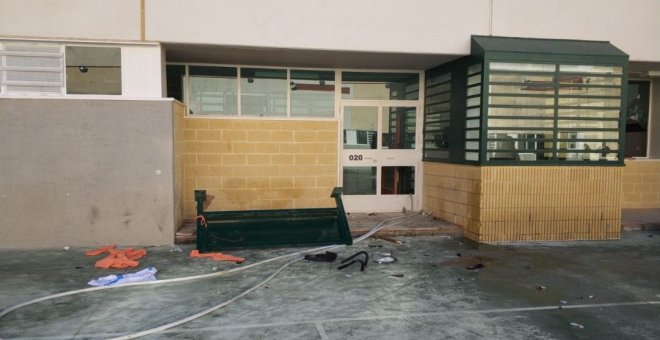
550 51
220 230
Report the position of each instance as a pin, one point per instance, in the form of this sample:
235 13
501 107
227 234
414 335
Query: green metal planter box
220 230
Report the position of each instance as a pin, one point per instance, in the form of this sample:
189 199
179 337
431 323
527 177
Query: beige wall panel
80 19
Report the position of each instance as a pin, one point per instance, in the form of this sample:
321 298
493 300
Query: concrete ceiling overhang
642 69
285 57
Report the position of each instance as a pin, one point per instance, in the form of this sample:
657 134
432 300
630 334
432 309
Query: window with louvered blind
31 68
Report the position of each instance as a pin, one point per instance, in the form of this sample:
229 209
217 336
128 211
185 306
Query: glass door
380 156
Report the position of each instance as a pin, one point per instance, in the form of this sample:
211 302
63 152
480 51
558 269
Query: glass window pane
474 101
312 93
93 70
590 80
360 127
397 180
578 150
589 91
520 111
588 124
437 79
523 89
472 123
591 69
398 127
213 90
263 92
441 88
590 113
593 102
588 135
473 112
472 134
472 156
520 146
522 67
475 79
520 101
438 98
372 85
521 78
474 68
521 123
472 145
359 180
474 90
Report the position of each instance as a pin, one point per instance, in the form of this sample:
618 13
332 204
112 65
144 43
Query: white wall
414 26
141 72
631 25
82 19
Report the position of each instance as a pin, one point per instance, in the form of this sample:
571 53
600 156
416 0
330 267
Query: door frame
382 157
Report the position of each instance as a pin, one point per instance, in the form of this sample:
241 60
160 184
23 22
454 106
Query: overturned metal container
219 230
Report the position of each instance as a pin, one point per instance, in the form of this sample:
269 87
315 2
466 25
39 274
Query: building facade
518 120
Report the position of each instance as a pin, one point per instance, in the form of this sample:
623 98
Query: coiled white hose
298 256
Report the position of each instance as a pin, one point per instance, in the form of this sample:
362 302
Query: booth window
93 70
437 116
553 112
518 101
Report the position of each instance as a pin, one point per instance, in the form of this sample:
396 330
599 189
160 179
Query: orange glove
101 250
216 256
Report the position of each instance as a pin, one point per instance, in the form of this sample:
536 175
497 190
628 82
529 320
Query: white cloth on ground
147 274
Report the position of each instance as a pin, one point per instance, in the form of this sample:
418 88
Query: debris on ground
397 275
590 297
175 249
118 258
216 256
541 288
469 262
475 267
651 235
563 302
147 274
353 259
577 325
388 239
327 257
384 258
66 248
375 245
458 254
371 214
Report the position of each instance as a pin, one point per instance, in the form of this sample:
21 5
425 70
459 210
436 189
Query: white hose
372 231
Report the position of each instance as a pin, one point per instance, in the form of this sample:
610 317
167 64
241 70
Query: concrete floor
437 297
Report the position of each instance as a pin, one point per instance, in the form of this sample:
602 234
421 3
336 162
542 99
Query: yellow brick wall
641 184
451 192
550 203
259 164
495 204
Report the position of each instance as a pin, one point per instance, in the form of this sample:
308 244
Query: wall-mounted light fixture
83 69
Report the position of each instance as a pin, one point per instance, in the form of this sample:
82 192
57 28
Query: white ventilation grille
31 68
